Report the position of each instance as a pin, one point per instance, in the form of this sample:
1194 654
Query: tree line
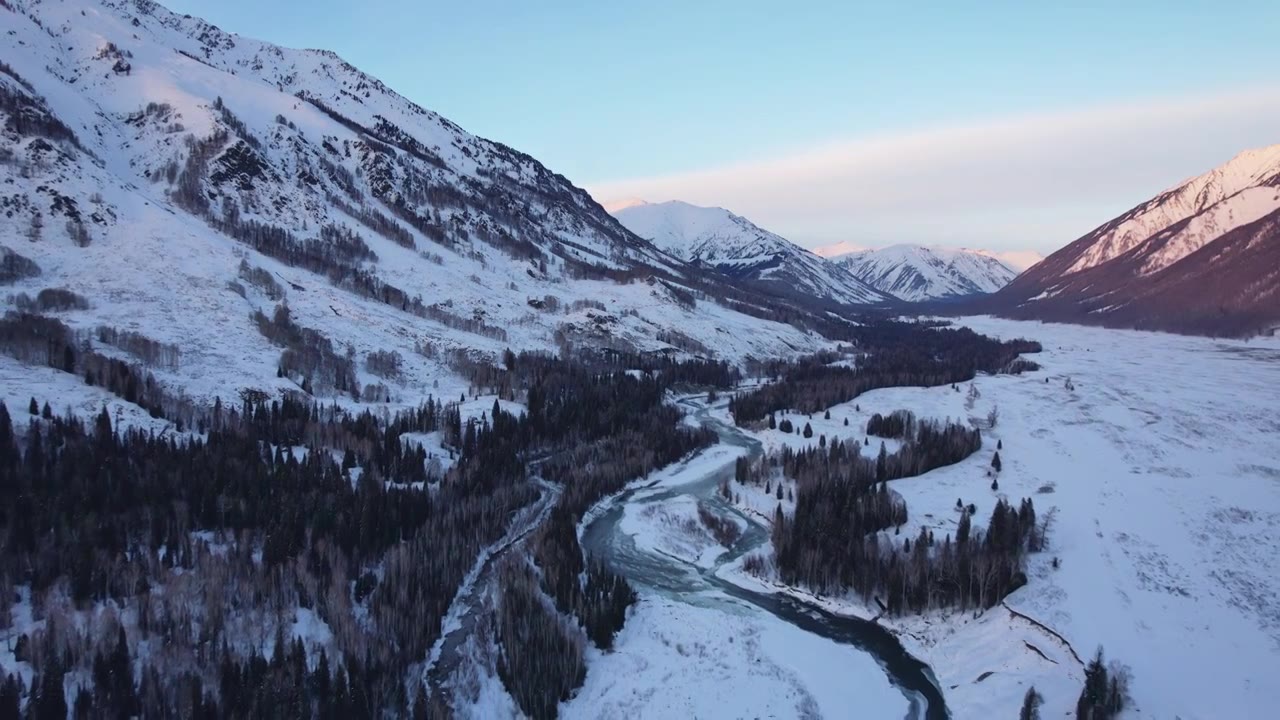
832 541
888 354
208 541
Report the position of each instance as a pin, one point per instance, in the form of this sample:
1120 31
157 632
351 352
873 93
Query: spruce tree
10 699
50 702
8 446
1031 703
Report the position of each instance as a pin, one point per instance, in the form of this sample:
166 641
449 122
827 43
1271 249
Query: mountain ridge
717 238
915 273
183 182
1140 268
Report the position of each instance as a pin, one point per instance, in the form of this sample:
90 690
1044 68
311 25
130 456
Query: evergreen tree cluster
541 661
1105 692
286 504
107 516
898 424
890 354
831 542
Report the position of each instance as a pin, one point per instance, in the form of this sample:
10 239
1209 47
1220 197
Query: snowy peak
613 206
835 250
916 273
717 238
186 183
1199 257
1233 194
1018 260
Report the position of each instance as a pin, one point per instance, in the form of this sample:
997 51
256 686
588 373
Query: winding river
674 578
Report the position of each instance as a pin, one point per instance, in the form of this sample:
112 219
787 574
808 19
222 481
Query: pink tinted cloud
1034 181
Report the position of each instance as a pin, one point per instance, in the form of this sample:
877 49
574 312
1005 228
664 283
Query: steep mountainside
915 273
180 180
716 238
1192 259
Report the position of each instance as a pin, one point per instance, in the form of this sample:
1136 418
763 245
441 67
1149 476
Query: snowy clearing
1164 469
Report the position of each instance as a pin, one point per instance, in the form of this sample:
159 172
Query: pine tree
34 407
808 431
10 699
1031 703
827 415
995 461
8 446
1000 446
50 702
1092 704
962 531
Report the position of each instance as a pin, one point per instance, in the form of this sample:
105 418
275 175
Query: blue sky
647 97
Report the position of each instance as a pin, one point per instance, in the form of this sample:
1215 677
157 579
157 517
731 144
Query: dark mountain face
1200 258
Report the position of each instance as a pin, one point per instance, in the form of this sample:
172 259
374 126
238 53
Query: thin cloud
1033 181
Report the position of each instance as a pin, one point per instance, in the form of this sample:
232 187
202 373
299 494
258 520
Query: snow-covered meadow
676 659
1160 461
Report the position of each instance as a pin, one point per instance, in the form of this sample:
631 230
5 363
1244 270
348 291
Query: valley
1149 533
314 404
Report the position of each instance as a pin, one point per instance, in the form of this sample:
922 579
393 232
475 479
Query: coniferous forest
888 354
843 500
198 551
831 541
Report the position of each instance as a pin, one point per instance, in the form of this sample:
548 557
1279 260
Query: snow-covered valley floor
1162 468
1158 458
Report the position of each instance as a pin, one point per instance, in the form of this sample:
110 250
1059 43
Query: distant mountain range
1202 257
915 273
730 244
718 239
1017 260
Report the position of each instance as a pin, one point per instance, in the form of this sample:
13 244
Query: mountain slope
1192 259
182 179
915 273
731 244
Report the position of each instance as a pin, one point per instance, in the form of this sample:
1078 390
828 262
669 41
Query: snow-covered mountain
718 239
1019 260
1200 257
180 179
914 273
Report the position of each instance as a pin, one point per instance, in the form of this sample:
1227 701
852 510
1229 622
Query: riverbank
696 646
